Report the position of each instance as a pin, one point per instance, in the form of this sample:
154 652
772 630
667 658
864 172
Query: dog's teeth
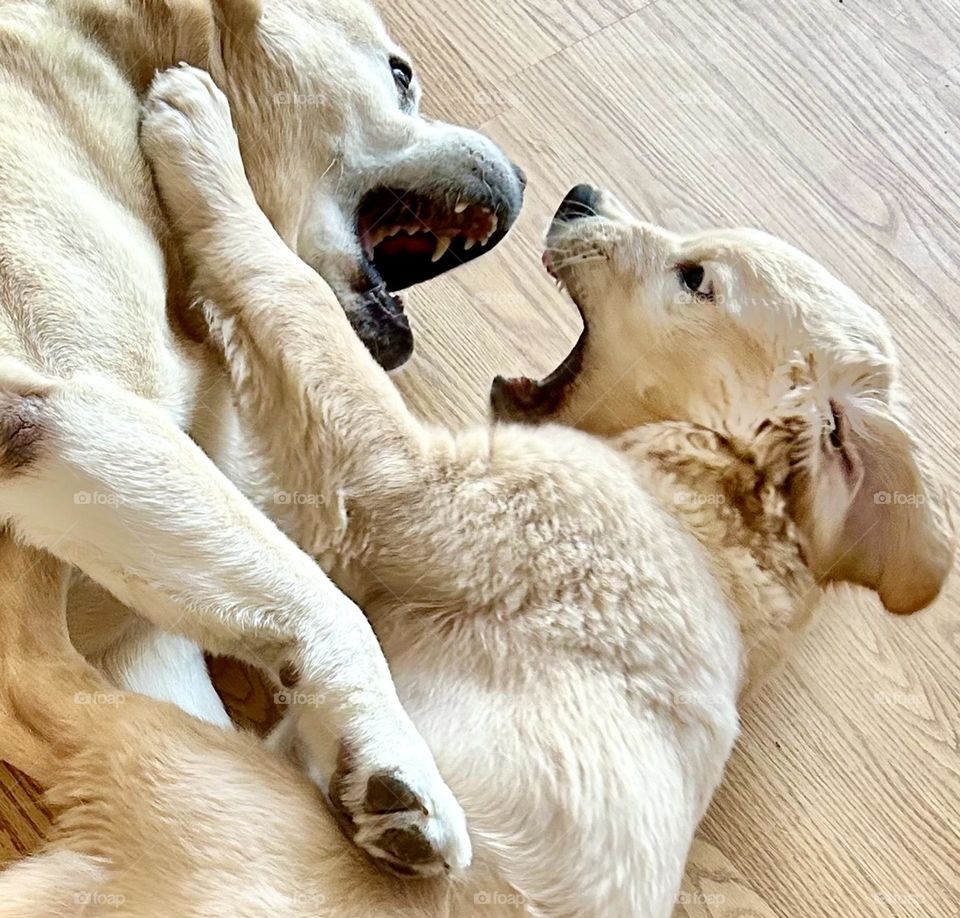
495 224
461 207
443 243
469 244
392 231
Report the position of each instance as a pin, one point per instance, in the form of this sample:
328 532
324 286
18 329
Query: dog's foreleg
105 481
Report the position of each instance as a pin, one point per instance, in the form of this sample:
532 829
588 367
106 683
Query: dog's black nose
521 175
581 201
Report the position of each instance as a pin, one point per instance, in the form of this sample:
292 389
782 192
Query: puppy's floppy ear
237 17
887 527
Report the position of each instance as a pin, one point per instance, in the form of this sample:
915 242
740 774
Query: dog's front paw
405 818
188 137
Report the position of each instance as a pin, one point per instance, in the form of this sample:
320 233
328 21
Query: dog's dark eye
402 74
692 277
836 435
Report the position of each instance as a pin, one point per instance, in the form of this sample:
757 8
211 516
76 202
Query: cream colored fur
570 614
120 451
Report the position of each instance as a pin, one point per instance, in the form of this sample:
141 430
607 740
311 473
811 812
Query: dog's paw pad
396 826
407 846
388 794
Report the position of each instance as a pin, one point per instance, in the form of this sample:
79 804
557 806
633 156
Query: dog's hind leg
106 482
137 656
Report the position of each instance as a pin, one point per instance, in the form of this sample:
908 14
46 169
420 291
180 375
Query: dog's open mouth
521 398
410 237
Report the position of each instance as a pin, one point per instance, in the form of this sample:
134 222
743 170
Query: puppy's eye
402 74
836 435
693 277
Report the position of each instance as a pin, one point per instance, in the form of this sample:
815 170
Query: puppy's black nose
521 175
581 201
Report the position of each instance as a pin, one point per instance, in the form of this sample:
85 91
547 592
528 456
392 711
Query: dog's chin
534 401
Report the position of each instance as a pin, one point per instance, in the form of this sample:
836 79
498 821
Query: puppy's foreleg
106 482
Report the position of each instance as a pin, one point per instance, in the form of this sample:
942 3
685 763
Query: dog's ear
871 515
237 18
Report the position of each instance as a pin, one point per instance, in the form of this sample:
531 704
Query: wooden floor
835 123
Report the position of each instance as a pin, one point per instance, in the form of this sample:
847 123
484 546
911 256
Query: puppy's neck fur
733 499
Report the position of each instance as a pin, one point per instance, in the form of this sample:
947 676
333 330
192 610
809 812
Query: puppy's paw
406 819
188 137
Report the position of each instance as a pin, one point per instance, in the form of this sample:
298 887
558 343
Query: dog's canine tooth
443 244
469 244
461 207
494 225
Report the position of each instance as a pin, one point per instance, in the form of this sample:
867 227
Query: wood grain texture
834 124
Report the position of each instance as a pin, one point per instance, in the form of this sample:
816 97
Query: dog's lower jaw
378 318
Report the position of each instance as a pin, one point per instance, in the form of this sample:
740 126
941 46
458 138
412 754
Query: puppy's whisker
579 260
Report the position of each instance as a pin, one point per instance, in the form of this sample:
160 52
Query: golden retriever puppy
570 607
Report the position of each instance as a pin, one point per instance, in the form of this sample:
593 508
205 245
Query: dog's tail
47 708
47 690
59 884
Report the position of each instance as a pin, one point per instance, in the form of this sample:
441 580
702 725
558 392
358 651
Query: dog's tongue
422 245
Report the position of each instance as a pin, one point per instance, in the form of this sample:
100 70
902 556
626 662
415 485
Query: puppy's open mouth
411 238
521 398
